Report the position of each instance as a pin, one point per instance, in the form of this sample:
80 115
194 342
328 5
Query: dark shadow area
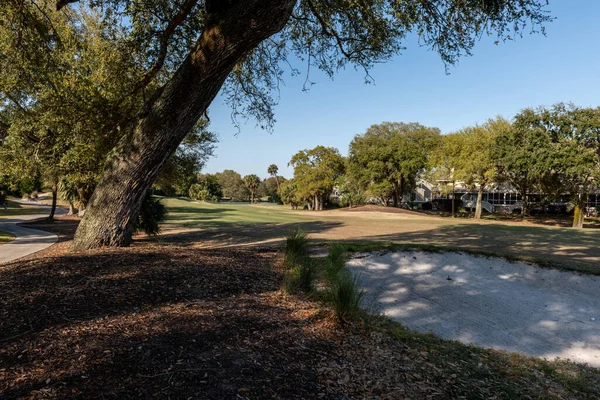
232 234
142 323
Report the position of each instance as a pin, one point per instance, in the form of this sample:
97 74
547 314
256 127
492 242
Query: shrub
334 262
152 213
427 206
346 296
296 249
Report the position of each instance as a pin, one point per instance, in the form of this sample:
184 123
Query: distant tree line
549 151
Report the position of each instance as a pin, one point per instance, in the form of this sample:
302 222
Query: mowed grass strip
5 237
192 213
16 209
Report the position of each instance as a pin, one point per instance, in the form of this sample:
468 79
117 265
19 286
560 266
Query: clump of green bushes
152 213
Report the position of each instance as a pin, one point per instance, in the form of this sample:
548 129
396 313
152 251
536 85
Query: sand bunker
489 302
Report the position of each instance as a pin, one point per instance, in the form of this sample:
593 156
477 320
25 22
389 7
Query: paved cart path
487 301
27 241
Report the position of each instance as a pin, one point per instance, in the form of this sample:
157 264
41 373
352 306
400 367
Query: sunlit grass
5 237
15 209
191 213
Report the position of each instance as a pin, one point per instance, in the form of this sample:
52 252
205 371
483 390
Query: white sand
488 302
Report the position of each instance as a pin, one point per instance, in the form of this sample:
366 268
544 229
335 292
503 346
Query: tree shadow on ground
145 322
179 322
234 234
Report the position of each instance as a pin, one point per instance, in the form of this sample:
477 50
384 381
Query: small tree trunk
479 201
53 208
579 215
524 205
453 197
229 34
400 192
71 208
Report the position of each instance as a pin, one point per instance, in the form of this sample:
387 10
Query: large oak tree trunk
228 36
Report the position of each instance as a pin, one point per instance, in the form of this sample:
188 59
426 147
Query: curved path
27 241
489 302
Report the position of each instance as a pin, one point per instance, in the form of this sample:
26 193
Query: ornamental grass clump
346 296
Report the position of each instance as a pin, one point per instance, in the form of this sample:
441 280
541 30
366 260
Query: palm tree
68 192
273 170
252 182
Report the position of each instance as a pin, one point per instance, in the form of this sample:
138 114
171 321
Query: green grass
5 237
15 209
192 213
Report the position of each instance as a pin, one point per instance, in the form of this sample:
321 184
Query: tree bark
228 36
479 201
71 208
579 215
53 207
524 204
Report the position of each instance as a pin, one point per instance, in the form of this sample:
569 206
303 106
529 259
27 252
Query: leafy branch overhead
324 34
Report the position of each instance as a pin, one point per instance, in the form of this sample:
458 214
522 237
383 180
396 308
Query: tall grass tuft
346 296
334 262
304 276
296 249
301 271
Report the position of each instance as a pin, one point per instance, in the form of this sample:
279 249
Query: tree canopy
471 155
182 53
315 174
252 183
386 159
233 185
552 150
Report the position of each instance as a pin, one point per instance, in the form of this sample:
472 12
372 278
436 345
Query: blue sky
414 87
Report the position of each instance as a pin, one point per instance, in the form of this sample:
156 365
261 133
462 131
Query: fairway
230 224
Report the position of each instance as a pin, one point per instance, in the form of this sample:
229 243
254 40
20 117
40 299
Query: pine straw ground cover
175 322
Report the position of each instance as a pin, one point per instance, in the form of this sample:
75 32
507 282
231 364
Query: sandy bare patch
487 301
